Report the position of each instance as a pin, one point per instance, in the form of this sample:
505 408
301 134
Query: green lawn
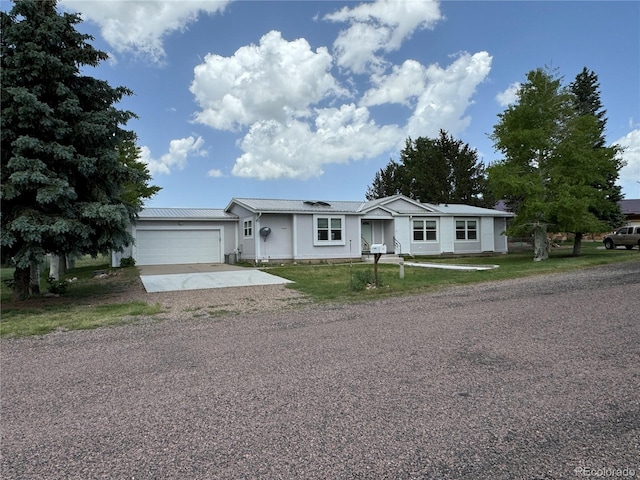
77 309
334 282
85 304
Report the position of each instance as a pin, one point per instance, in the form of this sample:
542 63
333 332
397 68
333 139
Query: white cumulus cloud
139 26
379 27
405 82
630 173
176 158
276 79
295 150
509 96
287 101
447 94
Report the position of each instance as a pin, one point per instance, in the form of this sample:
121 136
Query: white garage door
166 247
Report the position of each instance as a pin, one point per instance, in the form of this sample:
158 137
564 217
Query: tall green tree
385 183
550 165
587 103
135 192
63 182
434 170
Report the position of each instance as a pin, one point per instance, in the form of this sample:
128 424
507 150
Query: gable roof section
398 204
185 214
263 205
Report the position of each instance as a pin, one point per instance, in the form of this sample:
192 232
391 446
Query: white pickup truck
627 236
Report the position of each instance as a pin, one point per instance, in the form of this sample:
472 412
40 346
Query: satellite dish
265 232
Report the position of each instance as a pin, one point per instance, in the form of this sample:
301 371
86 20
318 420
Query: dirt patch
118 290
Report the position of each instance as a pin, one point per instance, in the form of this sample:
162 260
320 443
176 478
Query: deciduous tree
550 170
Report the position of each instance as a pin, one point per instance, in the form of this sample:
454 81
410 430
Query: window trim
249 227
467 230
328 217
424 230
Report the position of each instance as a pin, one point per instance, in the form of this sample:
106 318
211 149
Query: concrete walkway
448 266
395 259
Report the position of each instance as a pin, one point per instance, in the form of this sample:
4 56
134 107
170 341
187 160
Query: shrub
127 262
57 287
363 279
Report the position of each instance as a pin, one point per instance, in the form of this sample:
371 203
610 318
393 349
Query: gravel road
536 378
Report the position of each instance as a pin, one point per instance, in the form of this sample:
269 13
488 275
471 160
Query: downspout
256 237
294 238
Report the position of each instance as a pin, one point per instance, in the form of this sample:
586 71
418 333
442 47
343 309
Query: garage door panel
165 247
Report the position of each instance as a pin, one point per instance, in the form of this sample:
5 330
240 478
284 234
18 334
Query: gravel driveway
534 379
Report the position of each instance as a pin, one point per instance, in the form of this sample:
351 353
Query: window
247 228
329 230
466 230
425 231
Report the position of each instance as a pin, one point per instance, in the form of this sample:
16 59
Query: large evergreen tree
550 165
587 103
434 170
385 183
63 183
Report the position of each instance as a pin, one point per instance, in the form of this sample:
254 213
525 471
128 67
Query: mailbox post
377 249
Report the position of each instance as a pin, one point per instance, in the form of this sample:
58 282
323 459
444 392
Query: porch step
385 258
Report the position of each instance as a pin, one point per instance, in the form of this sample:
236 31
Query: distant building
631 210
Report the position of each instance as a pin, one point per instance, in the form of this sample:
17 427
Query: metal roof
265 205
408 206
186 213
413 207
304 206
462 209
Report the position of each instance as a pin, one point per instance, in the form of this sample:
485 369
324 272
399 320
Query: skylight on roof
316 203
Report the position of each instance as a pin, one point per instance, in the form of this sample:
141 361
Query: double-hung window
425 231
247 228
329 230
466 229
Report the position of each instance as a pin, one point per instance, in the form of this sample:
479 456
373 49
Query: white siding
306 250
279 243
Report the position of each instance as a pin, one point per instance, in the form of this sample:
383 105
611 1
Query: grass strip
23 322
334 282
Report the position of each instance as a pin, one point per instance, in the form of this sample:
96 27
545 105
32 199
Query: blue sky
309 99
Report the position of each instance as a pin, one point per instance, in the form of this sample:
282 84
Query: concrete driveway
171 278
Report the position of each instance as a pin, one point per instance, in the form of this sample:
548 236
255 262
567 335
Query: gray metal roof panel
186 213
461 209
303 206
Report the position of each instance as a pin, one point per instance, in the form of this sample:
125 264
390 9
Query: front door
367 235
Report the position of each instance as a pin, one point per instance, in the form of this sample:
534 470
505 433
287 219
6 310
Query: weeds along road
536 378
